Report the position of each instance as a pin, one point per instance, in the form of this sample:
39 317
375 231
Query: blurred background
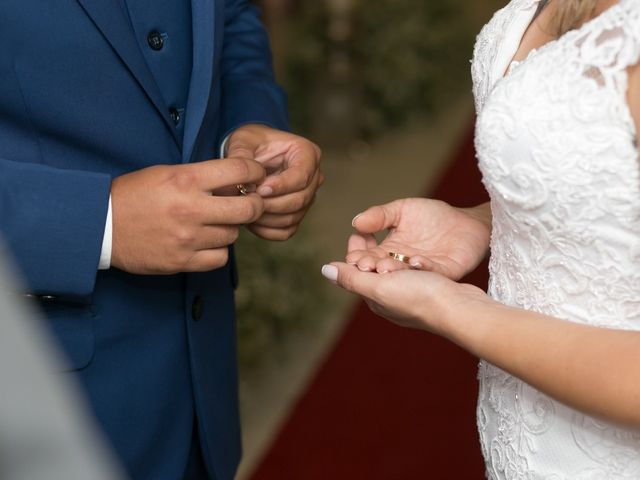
328 390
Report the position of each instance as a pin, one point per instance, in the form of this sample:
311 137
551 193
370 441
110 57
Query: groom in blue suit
113 114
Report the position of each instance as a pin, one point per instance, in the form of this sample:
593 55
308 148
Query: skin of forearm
595 370
481 212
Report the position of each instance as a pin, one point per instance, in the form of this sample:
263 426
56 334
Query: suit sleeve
53 222
249 91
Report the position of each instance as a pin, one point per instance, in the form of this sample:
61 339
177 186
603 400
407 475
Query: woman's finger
368 262
371 241
388 264
378 218
361 243
351 279
420 262
356 242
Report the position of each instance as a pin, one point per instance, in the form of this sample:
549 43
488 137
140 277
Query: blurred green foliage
280 291
411 57
406 58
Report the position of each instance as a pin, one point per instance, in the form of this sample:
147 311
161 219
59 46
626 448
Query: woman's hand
436 236
411 298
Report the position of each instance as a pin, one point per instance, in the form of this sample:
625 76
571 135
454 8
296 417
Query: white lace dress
557 148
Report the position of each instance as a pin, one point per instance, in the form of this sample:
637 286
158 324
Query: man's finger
300 172
207 260
378 218
277 220
273 234
218 236
214 174
290 203
239 210
241 145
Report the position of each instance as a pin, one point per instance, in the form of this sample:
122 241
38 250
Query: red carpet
389 403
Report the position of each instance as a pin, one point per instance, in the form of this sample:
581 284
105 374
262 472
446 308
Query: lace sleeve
610 56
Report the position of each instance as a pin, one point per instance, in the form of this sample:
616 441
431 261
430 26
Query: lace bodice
557 149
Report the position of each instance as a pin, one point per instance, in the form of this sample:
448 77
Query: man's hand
293 176
434 235
166 220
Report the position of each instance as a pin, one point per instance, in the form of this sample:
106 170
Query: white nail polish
330 272
416 265
353 222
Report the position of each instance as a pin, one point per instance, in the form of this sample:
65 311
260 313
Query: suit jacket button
197 308
155 40
175 115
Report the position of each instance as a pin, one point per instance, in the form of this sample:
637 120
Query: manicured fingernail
416 265
353 222
330 272
265 191
364 269
383 271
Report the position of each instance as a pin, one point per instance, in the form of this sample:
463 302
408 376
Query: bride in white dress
557 91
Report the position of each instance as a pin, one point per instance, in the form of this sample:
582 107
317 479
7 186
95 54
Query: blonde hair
571 14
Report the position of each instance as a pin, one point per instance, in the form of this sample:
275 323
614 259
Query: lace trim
618 27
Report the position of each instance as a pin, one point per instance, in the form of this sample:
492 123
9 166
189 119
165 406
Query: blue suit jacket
78 107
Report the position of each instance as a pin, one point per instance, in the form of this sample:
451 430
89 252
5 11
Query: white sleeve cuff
223 147
107 240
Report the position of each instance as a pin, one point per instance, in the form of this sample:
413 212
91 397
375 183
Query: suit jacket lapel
203 15
113 22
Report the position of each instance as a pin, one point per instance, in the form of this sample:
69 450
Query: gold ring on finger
400 257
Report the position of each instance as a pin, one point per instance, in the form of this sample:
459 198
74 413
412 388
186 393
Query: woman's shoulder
488 44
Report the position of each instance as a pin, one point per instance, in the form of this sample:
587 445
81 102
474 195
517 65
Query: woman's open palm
433 234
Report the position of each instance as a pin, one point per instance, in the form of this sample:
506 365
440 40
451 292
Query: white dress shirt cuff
223 147
107 240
